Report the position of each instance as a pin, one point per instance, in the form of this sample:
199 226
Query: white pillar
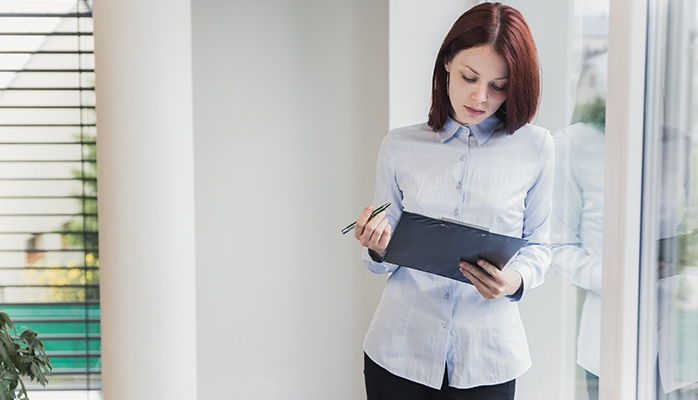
146 199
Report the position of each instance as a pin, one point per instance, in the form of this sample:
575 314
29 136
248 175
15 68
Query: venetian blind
49 257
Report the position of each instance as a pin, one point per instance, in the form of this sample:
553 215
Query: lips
474 111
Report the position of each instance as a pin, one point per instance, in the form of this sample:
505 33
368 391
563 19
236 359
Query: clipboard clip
453 221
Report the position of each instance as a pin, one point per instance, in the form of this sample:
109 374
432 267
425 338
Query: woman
477 160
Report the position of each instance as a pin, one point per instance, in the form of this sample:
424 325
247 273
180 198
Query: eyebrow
478 74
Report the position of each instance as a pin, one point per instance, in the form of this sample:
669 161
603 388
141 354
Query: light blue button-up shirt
479 175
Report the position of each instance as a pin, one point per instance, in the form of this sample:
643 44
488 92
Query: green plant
21 357
593 113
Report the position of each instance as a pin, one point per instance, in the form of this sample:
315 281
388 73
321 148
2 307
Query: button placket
466 158
459 185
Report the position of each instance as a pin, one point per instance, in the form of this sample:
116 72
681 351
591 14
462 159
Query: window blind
49 256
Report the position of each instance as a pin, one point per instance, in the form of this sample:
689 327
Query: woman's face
477 84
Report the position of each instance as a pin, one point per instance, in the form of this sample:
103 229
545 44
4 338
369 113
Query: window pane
577 220
670 204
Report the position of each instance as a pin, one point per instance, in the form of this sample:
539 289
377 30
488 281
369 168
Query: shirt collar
482 131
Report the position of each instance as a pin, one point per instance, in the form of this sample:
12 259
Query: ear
447 67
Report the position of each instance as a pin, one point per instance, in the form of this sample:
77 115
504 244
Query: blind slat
49 254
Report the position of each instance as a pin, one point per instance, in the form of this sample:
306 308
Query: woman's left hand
490 281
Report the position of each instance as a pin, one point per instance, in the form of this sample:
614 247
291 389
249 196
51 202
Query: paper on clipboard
437 245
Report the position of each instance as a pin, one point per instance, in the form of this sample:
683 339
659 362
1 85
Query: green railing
71 336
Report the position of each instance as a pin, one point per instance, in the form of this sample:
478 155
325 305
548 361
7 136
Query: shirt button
444 324
462 158
447 296
459 185
455 212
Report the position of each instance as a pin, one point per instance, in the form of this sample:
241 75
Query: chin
470 120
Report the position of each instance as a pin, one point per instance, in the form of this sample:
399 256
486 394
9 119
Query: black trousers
383 385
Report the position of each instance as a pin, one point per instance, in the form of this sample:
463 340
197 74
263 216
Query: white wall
290 105
417 28
236 140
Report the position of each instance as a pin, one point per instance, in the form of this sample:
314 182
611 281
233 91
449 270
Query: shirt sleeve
533 259
387 190
570 260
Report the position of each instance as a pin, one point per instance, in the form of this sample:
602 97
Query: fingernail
370 208
480 263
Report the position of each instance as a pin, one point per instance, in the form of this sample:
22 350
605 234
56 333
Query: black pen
373 214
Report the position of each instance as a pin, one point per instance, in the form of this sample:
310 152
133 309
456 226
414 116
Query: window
668 355
49 256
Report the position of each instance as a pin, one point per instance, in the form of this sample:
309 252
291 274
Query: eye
469 80
498 88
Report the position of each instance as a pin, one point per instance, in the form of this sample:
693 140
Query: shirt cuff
375 256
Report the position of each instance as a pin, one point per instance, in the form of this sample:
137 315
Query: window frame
622 204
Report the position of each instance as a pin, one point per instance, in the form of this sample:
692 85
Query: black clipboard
437 245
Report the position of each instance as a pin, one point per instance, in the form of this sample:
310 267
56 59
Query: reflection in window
577 220
670 203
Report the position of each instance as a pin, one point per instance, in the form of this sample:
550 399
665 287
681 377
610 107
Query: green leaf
5 321
22 357
4 355
28 336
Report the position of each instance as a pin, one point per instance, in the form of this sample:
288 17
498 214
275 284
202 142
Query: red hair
505 30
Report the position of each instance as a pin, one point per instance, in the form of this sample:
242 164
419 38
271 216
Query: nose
480 93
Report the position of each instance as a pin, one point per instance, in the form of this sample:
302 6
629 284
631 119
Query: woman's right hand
373 233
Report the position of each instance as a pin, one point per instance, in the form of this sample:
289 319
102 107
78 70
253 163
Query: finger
481 280
475 270
490 269
385 238
499 281
481 286
378 232
373 222
361 221
471 271
370 235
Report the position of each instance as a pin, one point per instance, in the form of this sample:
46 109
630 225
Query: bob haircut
505 30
